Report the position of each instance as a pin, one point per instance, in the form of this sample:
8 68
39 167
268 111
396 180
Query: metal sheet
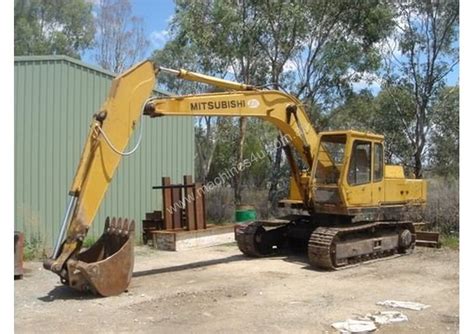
55 97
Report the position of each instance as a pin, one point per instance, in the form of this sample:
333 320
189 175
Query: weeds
450 241
221 207
33 249
442 208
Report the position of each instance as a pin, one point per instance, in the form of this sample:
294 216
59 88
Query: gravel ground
216 289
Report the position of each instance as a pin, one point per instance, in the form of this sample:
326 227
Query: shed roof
67 59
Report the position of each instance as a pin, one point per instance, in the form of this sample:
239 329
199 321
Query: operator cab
349 169
361 153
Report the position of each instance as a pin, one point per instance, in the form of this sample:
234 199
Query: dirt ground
216 289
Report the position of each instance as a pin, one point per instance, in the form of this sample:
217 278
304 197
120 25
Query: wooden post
190 199
204 219
177 203
200 214
167 203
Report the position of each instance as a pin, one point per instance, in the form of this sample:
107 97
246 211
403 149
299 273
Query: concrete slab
182 240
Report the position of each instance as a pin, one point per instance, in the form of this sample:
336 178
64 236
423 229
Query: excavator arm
107 266
113 124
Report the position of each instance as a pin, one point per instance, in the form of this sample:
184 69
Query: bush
442 209
220 205
258 199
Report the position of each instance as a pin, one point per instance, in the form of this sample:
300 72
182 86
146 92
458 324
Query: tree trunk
240 158
420 137
205 149
272 192
418 167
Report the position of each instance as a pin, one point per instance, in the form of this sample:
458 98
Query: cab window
330 158
360 166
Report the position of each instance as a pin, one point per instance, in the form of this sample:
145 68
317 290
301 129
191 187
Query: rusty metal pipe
67 217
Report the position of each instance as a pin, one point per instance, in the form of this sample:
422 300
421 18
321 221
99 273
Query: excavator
351 206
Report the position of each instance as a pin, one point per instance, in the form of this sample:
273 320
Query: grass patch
33 249
450 241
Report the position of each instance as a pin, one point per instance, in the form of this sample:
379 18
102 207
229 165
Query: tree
120 40
257 168
425 51
63 27
359 112
393 114
224 44
207 133
378 114
444 148
339 48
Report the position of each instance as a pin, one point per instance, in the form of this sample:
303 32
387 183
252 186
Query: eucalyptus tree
60 27
425 49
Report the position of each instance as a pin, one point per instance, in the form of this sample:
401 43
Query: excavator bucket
106 267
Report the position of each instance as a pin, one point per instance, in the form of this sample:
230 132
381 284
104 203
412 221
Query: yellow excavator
352 207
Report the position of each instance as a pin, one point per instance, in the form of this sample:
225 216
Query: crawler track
255 241
335 247
331 247
246 237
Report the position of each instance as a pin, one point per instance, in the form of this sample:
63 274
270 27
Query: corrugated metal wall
55 98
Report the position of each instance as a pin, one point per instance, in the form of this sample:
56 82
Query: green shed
55 97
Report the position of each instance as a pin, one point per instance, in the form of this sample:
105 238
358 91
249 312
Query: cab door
378 191
359 176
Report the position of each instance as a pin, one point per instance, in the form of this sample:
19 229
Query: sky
156 15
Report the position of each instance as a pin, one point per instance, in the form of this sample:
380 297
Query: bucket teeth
106 267
118 228
125 227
